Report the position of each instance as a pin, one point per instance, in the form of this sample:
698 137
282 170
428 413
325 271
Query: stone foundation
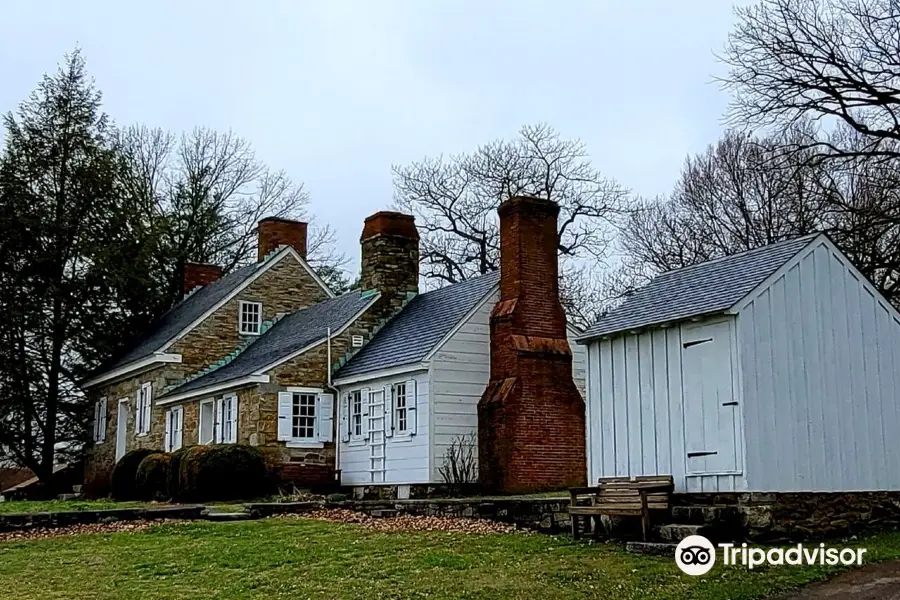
802 516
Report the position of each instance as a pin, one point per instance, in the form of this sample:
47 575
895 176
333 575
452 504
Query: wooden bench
622 496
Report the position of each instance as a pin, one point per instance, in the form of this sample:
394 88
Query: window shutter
148 401
139 411
167 440
388 411
219 421
325 416
104 411
345 421
179 429
364 399
96 423
411 402
233 420
285 410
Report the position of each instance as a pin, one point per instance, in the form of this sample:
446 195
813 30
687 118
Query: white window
226 423
401 414
206 433
100 411
174 427
356 414
305 417
250 318
142 414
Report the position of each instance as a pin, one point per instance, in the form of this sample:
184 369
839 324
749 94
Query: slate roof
412 334
704 288
289 334
183 314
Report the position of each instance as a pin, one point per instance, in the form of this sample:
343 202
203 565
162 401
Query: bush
151 481
226 472
123 475
174 485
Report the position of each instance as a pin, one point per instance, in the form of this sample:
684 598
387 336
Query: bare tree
832 60
746 192
455 202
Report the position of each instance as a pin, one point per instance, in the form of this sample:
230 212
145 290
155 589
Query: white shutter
325 417
345 420
232 419
388 411
104 411
179 428
285 413
219 421
167 440
139 412
97 421
411 412
364 399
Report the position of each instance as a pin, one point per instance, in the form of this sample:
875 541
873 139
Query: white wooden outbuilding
774 370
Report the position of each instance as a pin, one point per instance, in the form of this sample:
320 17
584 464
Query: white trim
259 314
461 322
410 368
153 359
227 385
284 251
304 390
299 443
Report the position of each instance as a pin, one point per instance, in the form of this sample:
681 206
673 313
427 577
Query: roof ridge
742 253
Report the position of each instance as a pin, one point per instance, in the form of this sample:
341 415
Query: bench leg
574 527
645 523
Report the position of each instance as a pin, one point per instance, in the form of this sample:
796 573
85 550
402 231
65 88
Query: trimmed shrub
151 481
174 485
224 472
123 475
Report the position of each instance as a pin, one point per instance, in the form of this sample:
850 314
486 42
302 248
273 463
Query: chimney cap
387 222
529 204
282 220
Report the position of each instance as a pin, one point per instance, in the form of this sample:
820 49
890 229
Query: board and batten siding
820 350
460 371
406 458
636 413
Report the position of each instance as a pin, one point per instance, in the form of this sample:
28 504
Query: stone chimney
275 231
390 258
531 430
197 275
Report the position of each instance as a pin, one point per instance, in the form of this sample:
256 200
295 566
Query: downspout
337 404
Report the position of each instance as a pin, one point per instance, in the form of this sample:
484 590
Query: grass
299 559
31 506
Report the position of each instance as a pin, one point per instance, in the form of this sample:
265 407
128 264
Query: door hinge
704 453
729 404
694 343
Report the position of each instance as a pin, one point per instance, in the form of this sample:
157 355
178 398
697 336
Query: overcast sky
336 92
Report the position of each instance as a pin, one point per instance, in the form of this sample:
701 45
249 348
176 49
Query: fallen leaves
409 522
41 533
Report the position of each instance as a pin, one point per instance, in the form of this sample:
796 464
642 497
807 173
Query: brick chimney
390 258
275 231
531 430
197 275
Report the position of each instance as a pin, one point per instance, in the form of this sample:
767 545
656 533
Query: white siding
819 350
460 371
406 458
635 411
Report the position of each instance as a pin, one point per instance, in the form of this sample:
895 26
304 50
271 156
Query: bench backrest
623 494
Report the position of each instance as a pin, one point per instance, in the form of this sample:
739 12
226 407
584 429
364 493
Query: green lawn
59 505
298 559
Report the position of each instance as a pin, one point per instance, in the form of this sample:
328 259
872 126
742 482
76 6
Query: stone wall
776 517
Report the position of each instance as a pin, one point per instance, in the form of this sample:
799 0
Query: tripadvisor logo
696 555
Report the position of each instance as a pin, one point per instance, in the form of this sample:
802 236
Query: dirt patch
409 522
880 581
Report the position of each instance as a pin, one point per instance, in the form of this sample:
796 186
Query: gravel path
880 581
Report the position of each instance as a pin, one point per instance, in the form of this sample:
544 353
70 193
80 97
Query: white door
121 425
711 408
376 435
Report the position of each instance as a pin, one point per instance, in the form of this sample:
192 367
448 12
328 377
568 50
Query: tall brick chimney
275 231
197 275
390 258
531 431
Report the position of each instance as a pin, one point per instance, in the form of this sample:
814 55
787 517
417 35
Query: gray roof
288 335
420 326
181 315
704 288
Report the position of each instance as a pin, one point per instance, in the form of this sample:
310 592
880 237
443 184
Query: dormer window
250 318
